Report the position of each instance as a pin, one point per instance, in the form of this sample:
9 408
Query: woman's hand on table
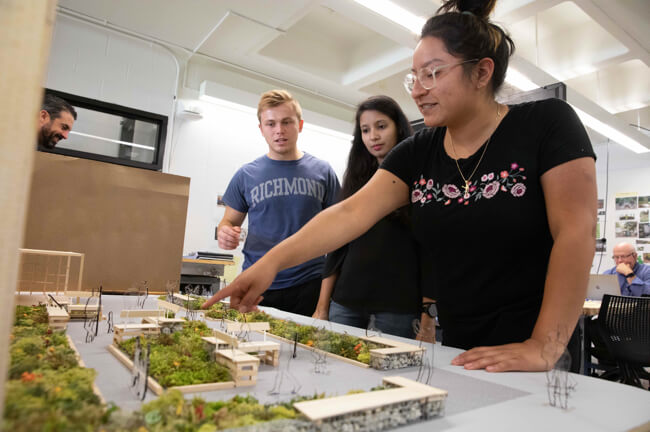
529 356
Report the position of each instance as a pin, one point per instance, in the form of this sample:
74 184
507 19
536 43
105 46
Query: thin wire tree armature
140 370
559 383
425 371
284 374
91 322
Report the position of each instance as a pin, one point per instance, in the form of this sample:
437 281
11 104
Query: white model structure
395 355
229 350
406 402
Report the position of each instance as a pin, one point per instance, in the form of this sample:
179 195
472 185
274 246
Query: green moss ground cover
194 304
344 345
180 358
46 390
171 412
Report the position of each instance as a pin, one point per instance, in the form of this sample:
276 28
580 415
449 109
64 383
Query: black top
489 249
378 272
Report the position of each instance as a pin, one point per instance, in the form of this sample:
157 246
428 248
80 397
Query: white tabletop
477 400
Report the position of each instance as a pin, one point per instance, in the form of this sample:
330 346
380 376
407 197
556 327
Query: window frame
122 111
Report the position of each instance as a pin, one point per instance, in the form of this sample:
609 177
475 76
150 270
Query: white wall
98 64
619 171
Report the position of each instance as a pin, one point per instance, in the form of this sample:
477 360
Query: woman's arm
326 289
570 196
329 230
427 331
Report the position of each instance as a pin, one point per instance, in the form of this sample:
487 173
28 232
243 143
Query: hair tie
467 13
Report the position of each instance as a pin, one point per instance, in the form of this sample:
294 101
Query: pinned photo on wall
643 216
642 241
644 230
644 202
626 229
601 204
601 245
601 212
646 258
626 217
626 201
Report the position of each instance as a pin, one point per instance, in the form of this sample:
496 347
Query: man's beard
47 139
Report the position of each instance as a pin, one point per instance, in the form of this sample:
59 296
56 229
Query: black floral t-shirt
489 246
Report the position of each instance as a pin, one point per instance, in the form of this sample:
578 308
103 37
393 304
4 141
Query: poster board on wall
129 222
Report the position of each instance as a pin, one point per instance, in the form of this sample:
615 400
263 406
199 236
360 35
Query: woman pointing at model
503 197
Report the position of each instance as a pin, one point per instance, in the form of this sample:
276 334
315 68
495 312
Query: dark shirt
379 271
490 249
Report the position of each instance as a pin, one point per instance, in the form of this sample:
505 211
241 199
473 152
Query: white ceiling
344 52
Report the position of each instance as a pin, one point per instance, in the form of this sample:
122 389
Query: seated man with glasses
633 277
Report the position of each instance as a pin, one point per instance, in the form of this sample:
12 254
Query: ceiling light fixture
395 13
206 91
610 132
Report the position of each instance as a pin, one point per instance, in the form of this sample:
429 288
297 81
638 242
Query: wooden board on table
141 313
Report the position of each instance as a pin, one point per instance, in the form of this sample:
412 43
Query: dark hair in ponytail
465 29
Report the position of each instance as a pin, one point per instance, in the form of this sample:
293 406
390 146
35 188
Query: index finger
219 295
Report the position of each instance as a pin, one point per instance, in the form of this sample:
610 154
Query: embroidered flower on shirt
512 180
491 189
450 190
416 195
518 190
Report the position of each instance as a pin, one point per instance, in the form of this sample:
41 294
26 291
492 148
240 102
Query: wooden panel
129 222
25 35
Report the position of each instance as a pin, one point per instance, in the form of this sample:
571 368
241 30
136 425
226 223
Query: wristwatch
630 275
430 309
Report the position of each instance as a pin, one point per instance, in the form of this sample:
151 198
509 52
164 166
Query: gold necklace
468 179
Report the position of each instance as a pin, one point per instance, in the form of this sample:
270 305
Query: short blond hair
275 98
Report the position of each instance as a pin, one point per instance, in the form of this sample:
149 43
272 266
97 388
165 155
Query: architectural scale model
49 271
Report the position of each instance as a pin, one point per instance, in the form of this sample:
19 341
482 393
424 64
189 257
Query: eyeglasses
427 75
617 257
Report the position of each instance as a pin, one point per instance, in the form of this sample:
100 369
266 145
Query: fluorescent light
519 80
309 126
114 141
610 132
227 104
395 13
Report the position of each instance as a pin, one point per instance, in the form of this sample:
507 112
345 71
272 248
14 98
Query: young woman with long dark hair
359 285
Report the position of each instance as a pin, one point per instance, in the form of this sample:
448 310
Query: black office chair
624 325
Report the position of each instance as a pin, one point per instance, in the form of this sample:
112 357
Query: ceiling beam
602 18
